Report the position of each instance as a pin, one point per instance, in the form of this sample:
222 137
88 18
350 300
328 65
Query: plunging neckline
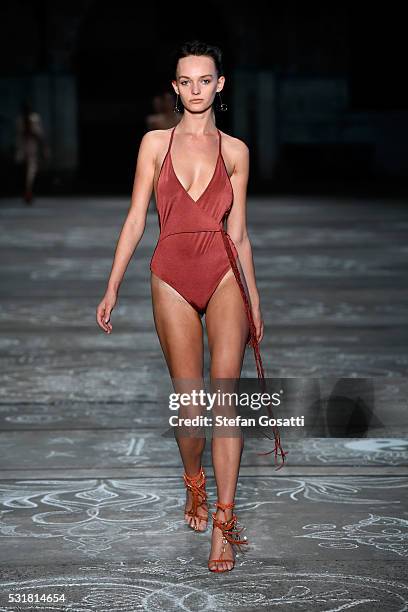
211 179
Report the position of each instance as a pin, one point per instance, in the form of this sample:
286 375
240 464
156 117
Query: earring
176 108
223 107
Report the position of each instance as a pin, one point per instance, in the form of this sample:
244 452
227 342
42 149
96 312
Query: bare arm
237 229
132 229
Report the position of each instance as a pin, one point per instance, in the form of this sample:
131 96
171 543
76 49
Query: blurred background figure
163 116
31 147
153 120
169 117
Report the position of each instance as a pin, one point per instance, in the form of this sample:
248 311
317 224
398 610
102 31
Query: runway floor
92 495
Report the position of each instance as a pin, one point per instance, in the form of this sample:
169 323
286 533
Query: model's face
197 82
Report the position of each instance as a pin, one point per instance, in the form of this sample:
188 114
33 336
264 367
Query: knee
225 372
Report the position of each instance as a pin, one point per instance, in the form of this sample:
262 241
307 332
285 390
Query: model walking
199 177
31 147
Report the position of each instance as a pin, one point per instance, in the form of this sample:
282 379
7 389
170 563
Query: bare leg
227 328
31 172
180 333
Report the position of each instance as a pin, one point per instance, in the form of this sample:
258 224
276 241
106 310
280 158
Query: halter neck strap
171 139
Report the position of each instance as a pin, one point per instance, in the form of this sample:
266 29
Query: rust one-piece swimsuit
194 252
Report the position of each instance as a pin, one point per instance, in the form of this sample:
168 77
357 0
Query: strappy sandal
196 484
230 534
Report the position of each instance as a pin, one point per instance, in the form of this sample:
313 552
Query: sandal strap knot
198 490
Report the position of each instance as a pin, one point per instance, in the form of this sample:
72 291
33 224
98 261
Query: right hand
103 312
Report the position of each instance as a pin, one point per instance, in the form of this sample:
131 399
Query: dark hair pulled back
197 47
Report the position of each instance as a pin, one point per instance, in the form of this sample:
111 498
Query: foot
199 523
218 544
28 197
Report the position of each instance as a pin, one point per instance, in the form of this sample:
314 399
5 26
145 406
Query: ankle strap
197 476
224 506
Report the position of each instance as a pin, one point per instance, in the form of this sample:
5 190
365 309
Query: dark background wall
315 89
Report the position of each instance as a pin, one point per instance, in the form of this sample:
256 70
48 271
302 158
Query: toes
199 524
202 525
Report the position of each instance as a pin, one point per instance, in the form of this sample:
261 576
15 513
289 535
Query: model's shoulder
236 145
153 141
158 135
157 139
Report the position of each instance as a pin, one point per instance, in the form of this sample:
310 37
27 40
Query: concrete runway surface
92 495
